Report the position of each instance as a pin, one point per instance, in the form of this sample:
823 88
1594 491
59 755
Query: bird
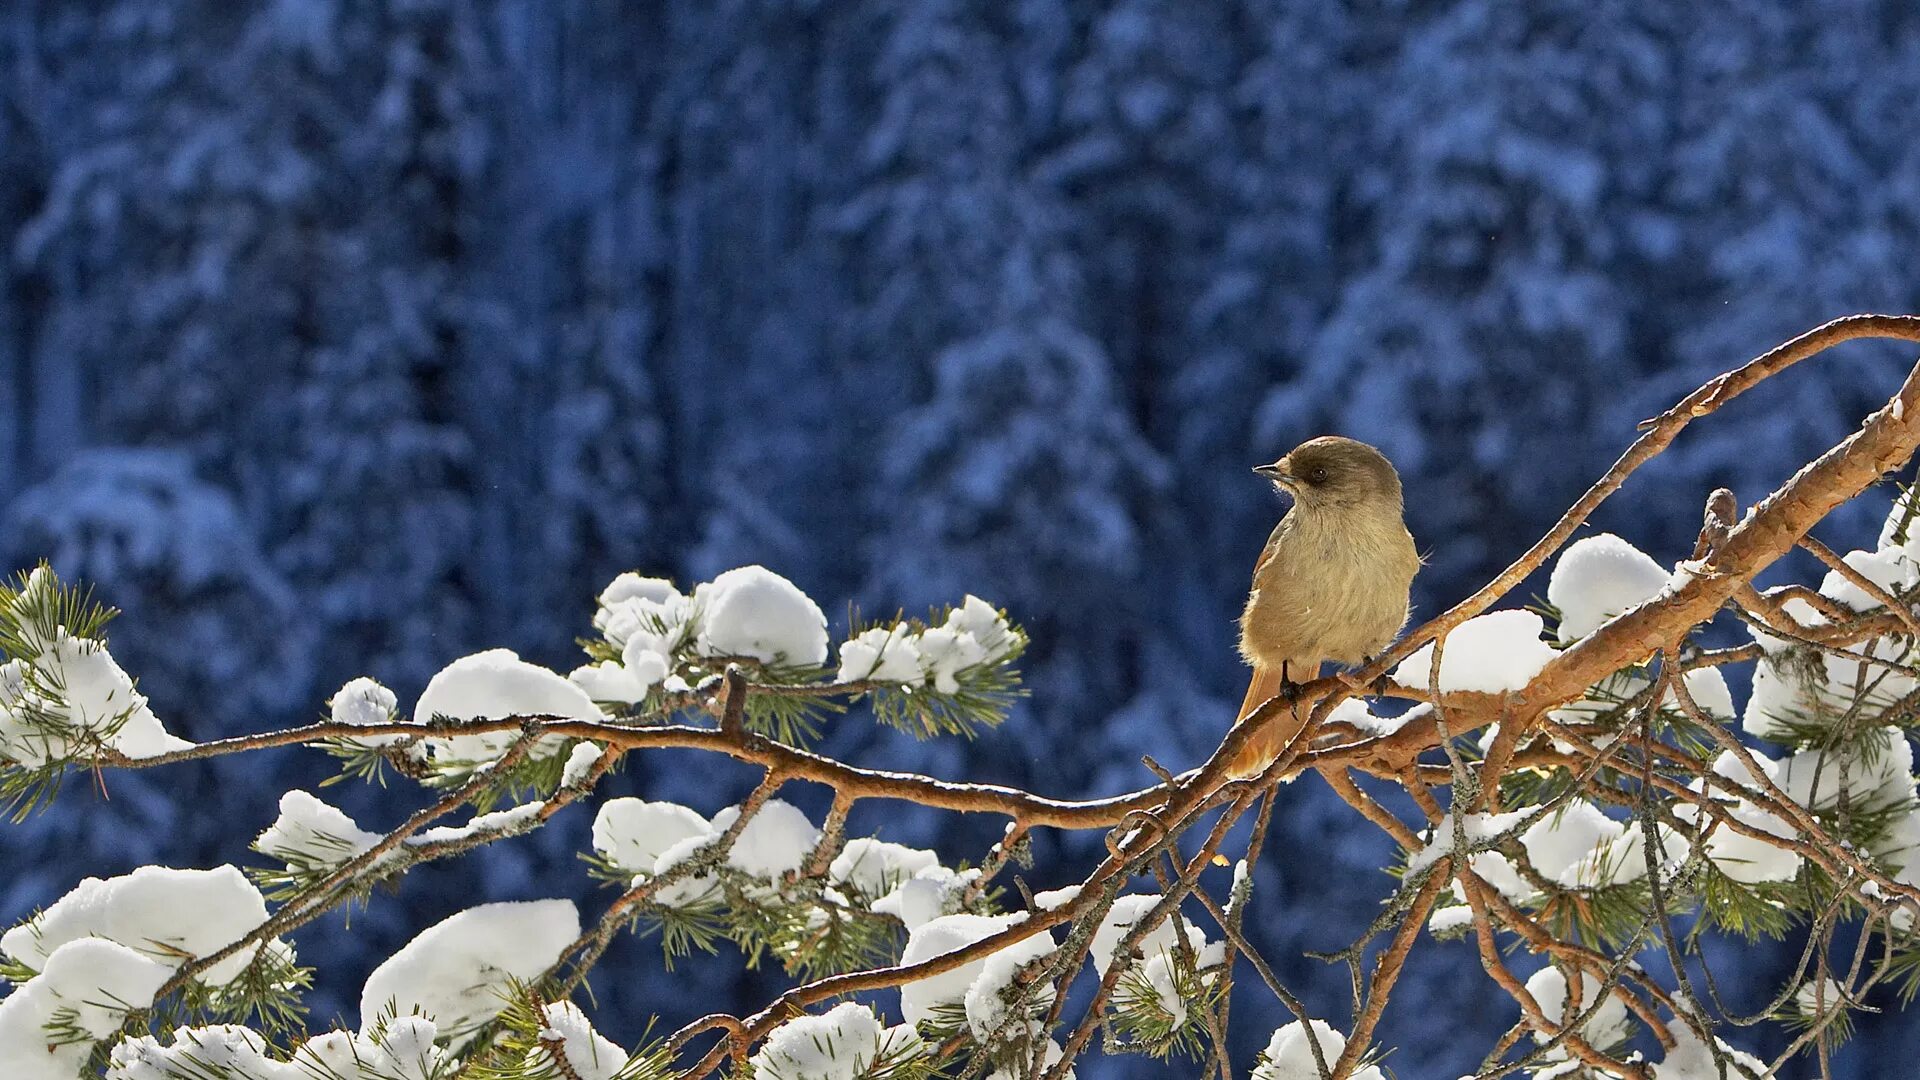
1332 584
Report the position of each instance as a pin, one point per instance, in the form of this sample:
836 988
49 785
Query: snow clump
587 1054
1597 578
753 612
1489 654
71 697
167 915
840 1044
1607 1025
457 970
493 685
1289 1054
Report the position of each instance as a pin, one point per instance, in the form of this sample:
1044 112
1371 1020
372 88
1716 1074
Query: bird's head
1335 472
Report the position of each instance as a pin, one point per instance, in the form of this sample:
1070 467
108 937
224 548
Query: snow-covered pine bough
1576 793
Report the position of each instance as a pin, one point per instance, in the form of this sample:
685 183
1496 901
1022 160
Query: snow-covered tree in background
266 209
1572 788
463 307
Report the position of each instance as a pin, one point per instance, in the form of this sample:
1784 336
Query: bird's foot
1380 683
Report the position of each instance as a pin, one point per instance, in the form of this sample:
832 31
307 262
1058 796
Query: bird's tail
1258 752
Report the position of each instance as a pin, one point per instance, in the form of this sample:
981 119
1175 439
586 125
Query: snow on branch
1582 785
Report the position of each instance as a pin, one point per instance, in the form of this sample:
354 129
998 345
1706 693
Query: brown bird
1331 583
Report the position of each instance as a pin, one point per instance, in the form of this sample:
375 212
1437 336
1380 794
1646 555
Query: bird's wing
1272 545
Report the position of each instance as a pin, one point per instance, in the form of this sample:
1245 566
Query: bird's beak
1276 473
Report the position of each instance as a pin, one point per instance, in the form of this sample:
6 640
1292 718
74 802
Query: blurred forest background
346 337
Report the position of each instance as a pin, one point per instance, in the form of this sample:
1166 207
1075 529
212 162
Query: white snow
1158 973
1050 899
775 841
1497 871
925 896
972 635
1708 689
1495 652
907 883
772 844
937 937
1354 711
1892 569
163 913
625 681
689 890
1899 849
1289 1054
985 999
404 1050
1480 829
1896 515
1705 686
634 606
1574 846
1211 955
1607 1026
1800 612
985 624
456 970
514 819
1798 697
1561 845
752 611
1240 892
945 652
661 625
1819 997
76 683
1777 699
631 586
311 833
1624 858
835 1045
196 1052
580 762
876 867
881 654
1744 858
1120 918
588 1056
493 685
1601 698
1900 846
1872 780
633 834
1747 859
900 1043
363 702
1690 1059
88 982
1597 578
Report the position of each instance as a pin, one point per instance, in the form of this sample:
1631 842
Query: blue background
344 337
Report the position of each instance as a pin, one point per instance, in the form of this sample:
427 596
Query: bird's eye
1319 475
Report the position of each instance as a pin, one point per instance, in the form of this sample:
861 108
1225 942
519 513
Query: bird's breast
1331 586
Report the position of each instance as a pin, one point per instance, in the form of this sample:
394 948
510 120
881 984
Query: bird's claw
1380 683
